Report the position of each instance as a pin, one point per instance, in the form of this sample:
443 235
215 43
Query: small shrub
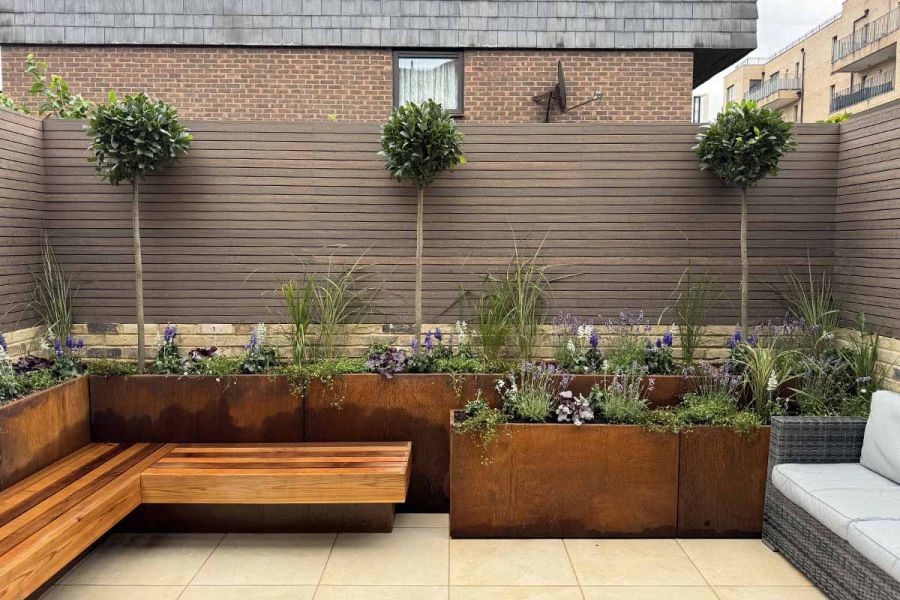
168 359
386 360
659 358
623 401
259 357
54 97
9 103
573 409
628 346
67 358
108 368
577 345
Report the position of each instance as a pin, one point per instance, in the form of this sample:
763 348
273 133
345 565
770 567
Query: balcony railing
869 34
771 86
873 86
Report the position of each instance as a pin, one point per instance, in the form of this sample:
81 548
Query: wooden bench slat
281 474
62 536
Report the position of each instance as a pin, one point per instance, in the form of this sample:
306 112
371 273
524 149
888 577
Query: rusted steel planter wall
42 428
172 408
667 389
722 482
546 480
409 407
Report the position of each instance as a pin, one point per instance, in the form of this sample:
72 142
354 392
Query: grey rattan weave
827 560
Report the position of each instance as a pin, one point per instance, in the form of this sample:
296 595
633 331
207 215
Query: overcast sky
780 23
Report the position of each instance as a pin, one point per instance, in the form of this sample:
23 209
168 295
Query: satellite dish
560 87
557 95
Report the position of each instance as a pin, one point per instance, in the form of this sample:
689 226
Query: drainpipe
802 80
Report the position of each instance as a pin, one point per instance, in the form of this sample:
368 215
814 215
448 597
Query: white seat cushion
838 494
881 444
879 542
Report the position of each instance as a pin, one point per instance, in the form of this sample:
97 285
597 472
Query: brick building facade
312 59
356 84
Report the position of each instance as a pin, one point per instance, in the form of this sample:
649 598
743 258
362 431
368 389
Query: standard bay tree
131 138
418 143
742 146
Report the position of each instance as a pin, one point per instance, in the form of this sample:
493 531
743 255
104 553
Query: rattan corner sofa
833 500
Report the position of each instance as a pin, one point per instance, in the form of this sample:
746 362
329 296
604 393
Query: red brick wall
356 84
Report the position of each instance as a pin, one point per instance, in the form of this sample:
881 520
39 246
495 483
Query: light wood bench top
313 473
48 519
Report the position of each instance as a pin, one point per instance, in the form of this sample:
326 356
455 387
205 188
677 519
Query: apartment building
847 63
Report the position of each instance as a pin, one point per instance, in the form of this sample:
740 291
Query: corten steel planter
553 480
408 407
667 389
39 429
722 482
195 409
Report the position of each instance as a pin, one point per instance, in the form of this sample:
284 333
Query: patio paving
418 561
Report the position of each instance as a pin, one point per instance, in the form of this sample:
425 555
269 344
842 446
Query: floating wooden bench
50 518
280 474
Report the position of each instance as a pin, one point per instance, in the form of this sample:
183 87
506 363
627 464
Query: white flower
773 383
570 346
462 331
584 332
261 334
500 384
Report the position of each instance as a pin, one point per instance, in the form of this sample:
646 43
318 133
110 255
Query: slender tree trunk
420 208
745 263
138 276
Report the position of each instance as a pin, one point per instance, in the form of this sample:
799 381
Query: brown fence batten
621 208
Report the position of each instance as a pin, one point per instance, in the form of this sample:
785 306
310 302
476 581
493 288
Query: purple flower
170 333
414 344
58 348
752 339
667 339
429 343
595 338
736 338
3 343
438 335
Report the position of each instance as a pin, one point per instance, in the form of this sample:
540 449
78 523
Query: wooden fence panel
618 211
21 215
867 221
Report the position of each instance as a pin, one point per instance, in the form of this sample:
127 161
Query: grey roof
716 28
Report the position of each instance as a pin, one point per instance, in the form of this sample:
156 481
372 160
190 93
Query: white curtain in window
424 78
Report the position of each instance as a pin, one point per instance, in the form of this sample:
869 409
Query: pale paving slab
374 592
248 592
113 592
741 563
422 520
408 556
632 562
510 563
649 593
770 593
516 593
145 559
267 559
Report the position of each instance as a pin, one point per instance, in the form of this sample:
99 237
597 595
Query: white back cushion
881 444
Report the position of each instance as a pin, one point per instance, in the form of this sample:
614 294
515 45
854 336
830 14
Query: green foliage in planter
418 143
53 294
718 411
695 294
811 299
742 146
483 422
109 368
55 99
217 366
130 139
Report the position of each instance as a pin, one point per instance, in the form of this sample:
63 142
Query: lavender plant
10 384
386 360
528 394
623 400
628 335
